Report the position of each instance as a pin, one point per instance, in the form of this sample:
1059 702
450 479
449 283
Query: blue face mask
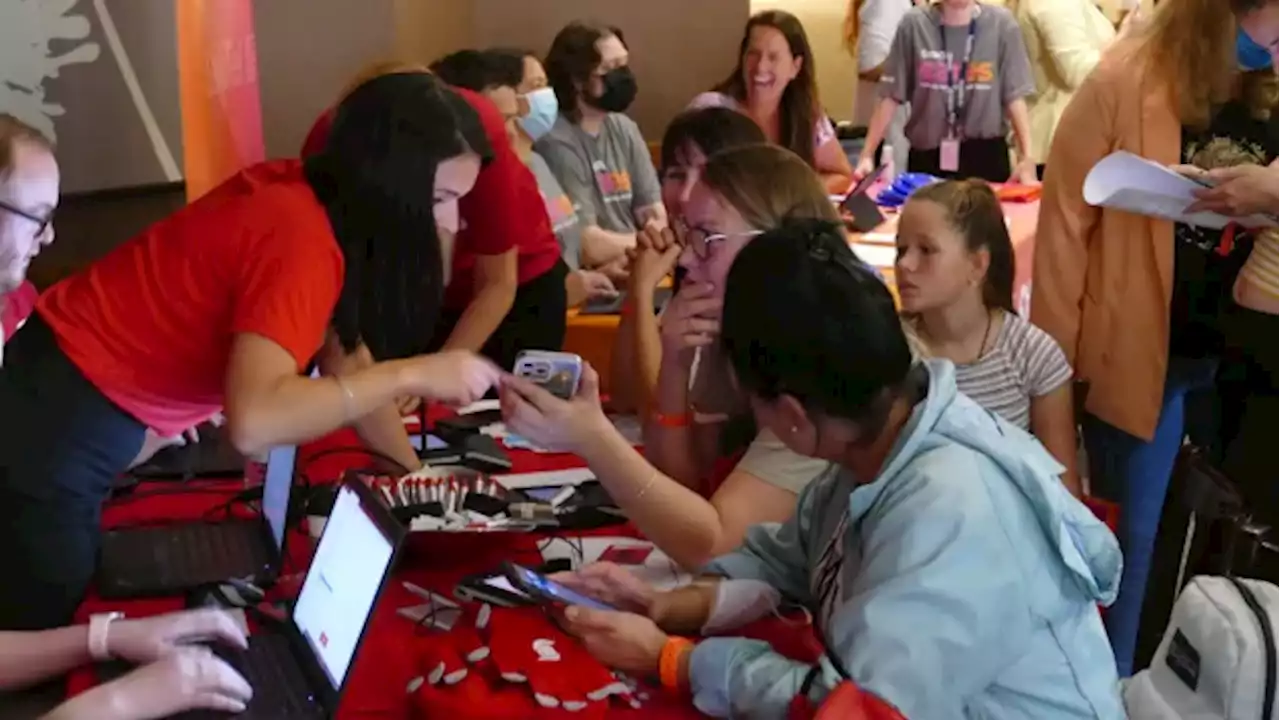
1249 54
543 109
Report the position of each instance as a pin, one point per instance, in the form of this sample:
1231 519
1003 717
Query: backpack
1218 657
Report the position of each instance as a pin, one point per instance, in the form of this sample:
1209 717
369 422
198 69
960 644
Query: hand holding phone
548 591
559 373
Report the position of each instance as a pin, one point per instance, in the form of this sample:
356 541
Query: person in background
499 75
963 68
29 182
774 83
699 424
173 675
1135 301
954 273
1064 39
945 567
691 137
540 110
222 307
596 152
482 248
869 28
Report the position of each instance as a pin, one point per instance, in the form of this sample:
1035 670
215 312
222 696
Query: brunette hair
374 178
480 70
710 130
1194 43
380 68
973 210
573 59
799 109
13 131
767 184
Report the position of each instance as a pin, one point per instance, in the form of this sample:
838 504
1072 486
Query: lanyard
957 94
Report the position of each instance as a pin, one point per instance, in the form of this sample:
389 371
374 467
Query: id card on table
949 155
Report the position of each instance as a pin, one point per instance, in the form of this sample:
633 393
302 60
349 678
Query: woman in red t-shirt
223 306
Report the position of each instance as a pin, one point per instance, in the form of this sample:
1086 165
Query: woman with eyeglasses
698 419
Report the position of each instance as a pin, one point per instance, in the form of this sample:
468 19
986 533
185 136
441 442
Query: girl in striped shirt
954 271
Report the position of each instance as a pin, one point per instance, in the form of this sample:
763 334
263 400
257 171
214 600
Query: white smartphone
559 373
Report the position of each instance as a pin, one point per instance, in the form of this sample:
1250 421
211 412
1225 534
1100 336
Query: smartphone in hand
559 373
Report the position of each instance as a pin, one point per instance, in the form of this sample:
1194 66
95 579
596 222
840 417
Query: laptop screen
281 463
342 584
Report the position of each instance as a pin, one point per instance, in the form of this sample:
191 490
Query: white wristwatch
99 625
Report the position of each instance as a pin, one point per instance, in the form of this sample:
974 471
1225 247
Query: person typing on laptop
173 675
222 307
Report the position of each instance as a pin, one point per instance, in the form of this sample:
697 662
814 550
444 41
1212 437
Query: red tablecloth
386 661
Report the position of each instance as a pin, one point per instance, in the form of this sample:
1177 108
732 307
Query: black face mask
619 91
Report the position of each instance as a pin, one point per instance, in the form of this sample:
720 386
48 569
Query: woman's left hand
624 641
1024 173
550 422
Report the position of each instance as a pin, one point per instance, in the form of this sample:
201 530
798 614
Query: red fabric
393 652
503 210
845 702
526 644
151 324
16 307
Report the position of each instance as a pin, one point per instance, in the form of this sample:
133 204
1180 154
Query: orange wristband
673 421
669 663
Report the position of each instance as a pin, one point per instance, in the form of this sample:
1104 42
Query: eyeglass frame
702 249
42 223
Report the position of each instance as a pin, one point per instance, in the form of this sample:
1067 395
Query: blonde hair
767 184
381 68
1193 43
13 131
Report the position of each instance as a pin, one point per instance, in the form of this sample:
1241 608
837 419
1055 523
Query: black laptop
212 457
170 559
300 669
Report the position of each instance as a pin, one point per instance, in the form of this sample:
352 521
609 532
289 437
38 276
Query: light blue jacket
971 580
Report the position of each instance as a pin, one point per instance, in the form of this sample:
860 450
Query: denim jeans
1135 474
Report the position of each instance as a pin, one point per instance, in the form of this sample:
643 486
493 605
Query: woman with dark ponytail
224 306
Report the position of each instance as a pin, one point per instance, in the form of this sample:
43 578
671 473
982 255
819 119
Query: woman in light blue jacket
946 567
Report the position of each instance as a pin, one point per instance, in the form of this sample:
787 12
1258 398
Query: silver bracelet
348 399
653 478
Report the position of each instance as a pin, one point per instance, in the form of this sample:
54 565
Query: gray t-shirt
917 73
608 176
564 220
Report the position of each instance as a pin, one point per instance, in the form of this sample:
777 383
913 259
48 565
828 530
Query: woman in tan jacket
1134 300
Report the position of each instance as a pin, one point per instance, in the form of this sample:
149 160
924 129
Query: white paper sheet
1124 181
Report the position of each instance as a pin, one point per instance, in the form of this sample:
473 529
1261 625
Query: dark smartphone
492 588
542 588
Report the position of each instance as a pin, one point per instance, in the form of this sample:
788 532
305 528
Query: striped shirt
1023 363
1259 270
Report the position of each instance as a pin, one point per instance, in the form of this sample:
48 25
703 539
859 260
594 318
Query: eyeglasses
702 241
42 223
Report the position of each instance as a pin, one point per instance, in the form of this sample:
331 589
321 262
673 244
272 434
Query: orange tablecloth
592 336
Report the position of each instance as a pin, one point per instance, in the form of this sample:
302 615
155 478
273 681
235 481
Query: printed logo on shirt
561 213
935 66
615 185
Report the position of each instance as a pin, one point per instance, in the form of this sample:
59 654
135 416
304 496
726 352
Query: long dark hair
798 112
375 177
973 209
572 60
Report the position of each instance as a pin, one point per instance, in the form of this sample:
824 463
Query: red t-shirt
151 324
504 210
16 307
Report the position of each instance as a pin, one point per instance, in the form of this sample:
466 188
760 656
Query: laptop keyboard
183 556
280 690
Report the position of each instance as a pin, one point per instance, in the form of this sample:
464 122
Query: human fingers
210 624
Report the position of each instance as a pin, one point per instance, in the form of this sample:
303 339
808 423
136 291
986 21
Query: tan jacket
1064 39
1102 279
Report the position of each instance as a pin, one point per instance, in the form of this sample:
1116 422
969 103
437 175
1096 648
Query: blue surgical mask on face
1249 54
543 109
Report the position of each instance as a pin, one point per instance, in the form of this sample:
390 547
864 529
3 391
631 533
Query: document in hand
1124 181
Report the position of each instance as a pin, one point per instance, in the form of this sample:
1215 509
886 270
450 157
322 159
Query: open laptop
170 559
300 669
212 457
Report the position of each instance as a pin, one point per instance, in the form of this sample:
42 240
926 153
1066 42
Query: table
592 336
388 657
